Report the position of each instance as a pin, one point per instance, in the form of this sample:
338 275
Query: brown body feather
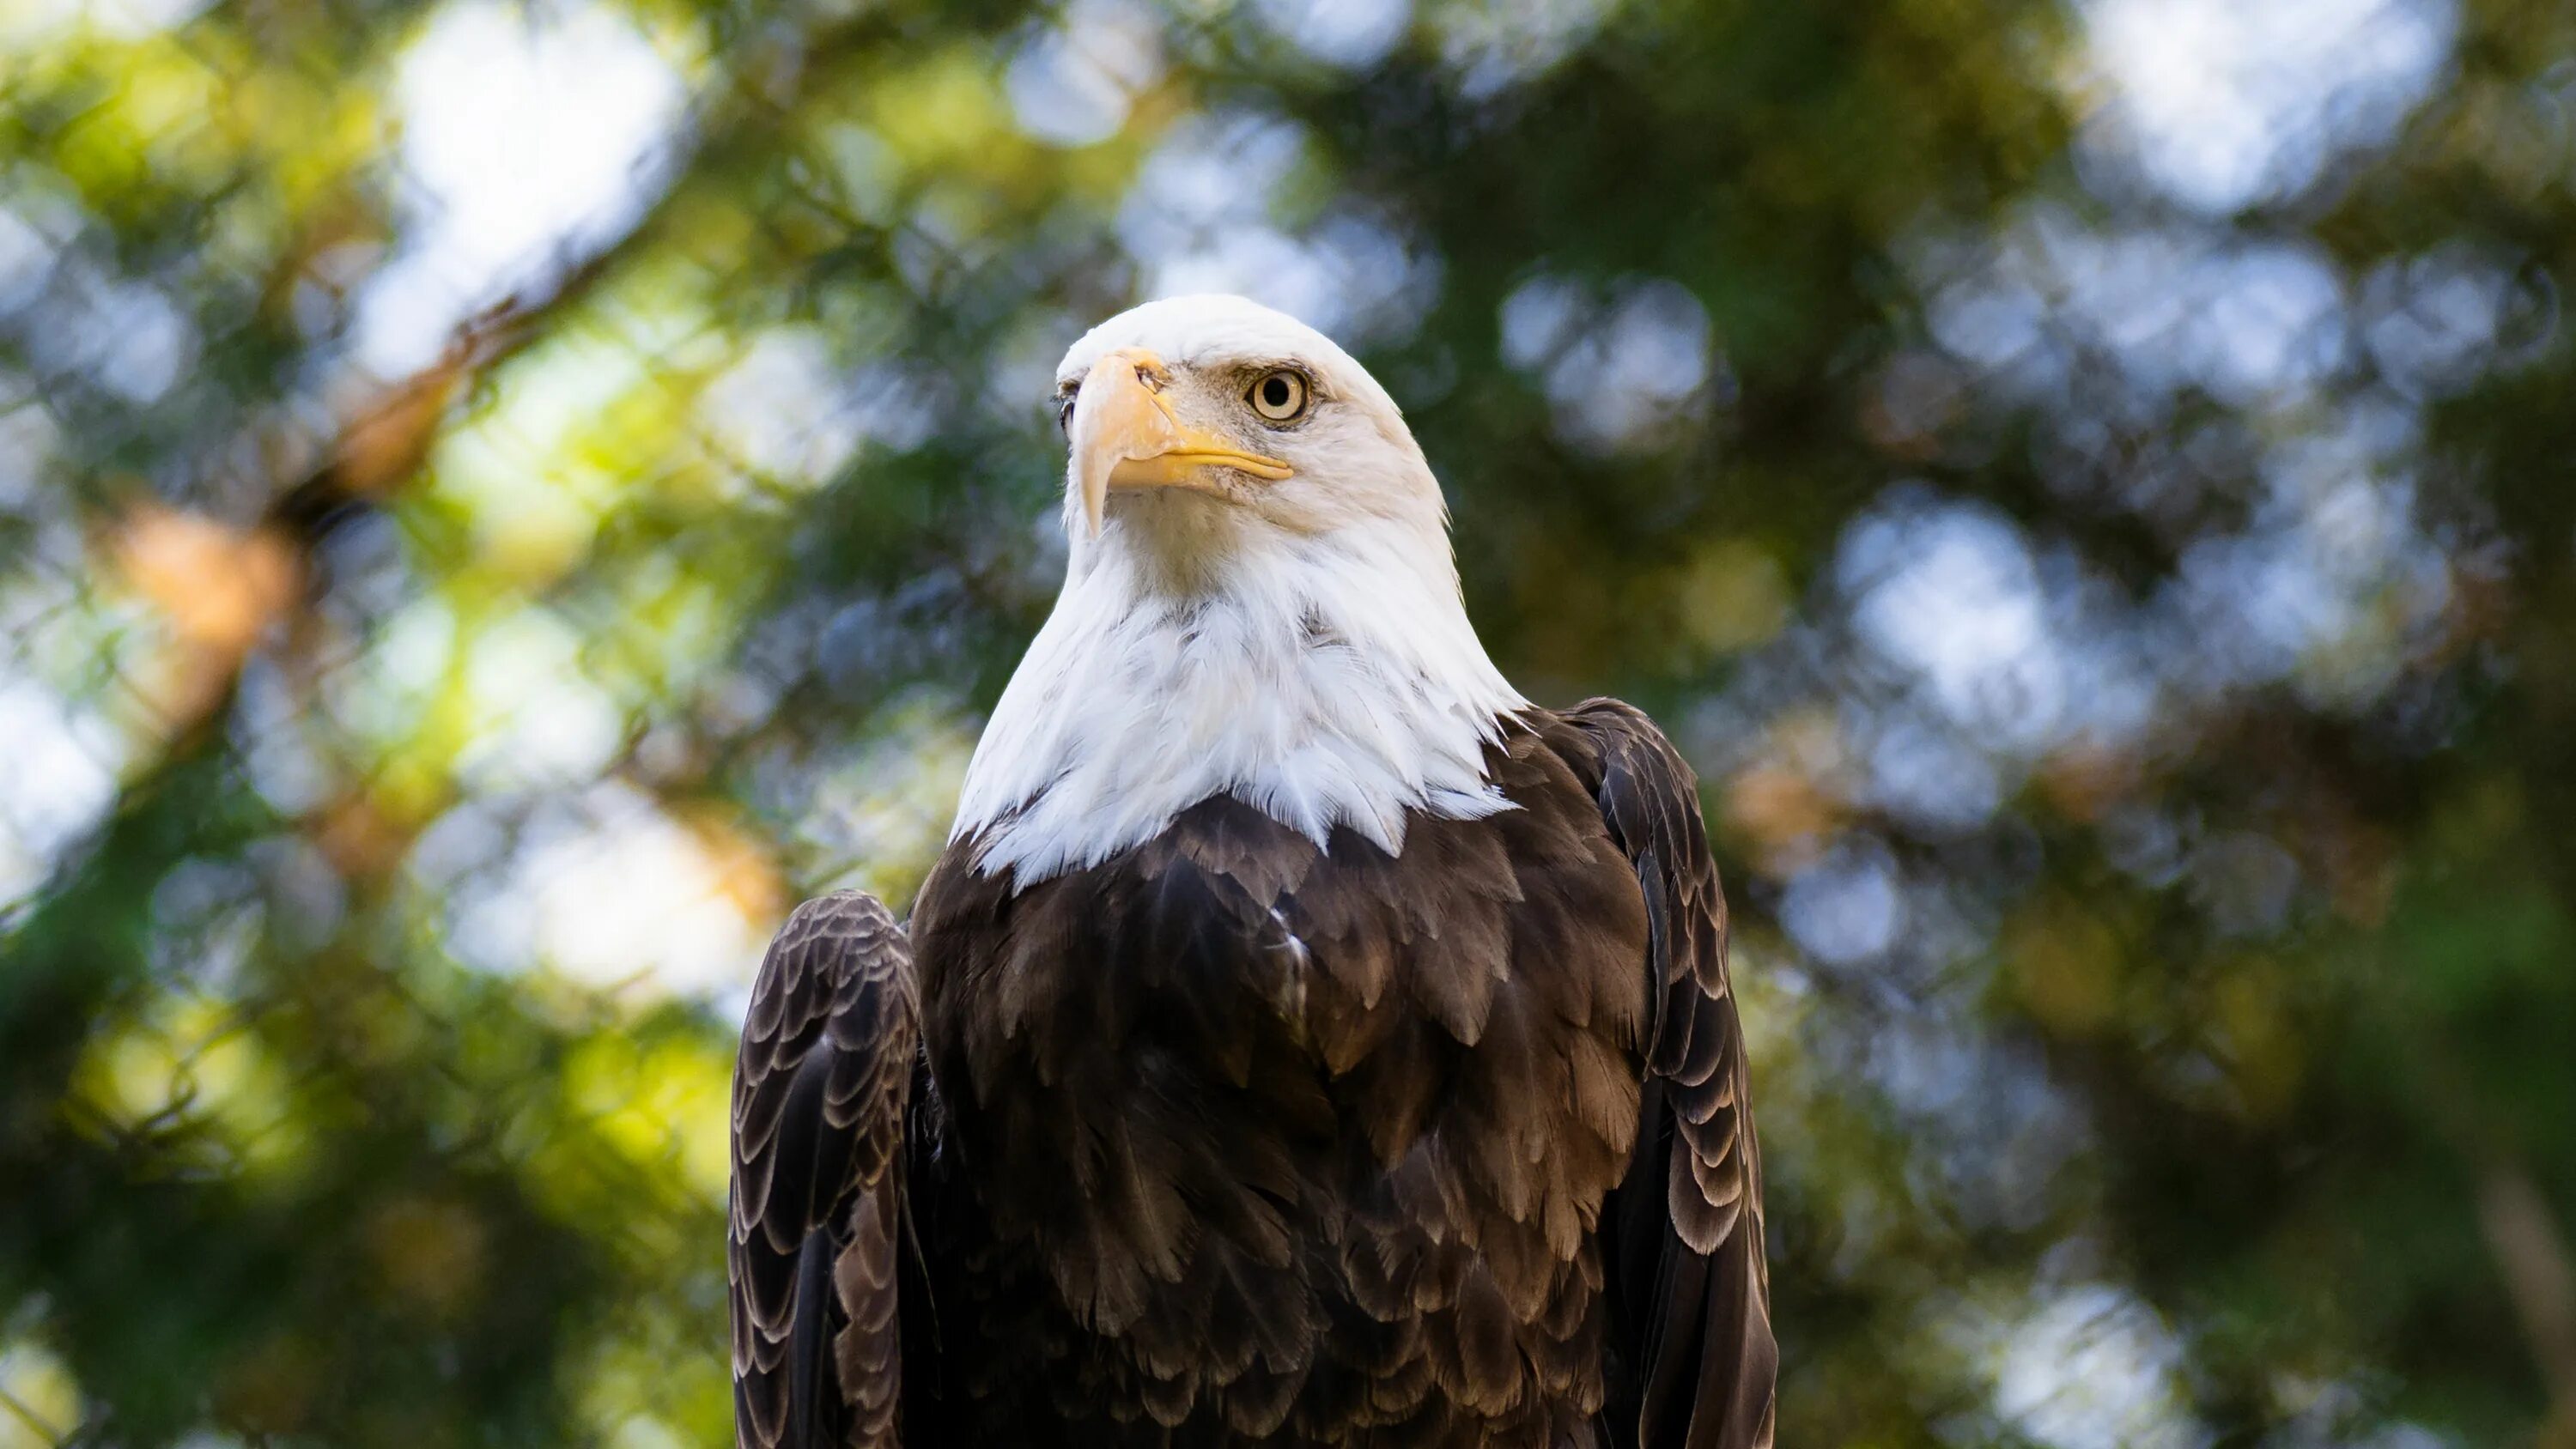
1231 1139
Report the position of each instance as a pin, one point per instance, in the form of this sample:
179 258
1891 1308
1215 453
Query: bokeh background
497 501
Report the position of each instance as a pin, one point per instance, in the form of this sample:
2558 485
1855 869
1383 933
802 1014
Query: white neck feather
1326 680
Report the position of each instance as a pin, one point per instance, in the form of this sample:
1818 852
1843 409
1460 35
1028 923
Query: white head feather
1300 644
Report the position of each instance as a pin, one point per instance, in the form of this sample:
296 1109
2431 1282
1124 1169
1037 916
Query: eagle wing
1682 1237
819 1099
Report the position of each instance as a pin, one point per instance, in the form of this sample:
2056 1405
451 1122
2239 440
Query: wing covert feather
820 1092
1683 1240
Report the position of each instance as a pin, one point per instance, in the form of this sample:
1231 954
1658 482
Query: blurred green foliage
497 502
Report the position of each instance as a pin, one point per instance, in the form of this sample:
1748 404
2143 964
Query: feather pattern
821 1090
1254 1140
1691 1301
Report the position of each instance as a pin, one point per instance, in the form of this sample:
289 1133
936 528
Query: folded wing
820 1092
1682 1237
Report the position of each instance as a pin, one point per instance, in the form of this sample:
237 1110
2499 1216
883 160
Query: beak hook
1127 434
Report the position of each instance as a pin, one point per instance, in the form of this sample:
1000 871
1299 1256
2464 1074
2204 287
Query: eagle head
1260 601
1199 424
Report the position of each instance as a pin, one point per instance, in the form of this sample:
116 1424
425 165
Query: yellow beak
1127 435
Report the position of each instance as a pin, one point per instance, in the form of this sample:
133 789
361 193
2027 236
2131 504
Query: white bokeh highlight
527 132
1355 34
2221 105
1071 82
1203 216
1627 369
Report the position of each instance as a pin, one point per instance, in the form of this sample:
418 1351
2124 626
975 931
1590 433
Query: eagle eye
1279 395
1064 409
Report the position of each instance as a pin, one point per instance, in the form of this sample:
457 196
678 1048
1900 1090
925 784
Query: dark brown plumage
1232 1140
819 1099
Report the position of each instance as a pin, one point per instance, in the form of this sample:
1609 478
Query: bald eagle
1304 1039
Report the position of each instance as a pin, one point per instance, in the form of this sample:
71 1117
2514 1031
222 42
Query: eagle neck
1325 681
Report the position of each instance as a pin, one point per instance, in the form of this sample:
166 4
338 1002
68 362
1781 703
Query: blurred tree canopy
497 501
